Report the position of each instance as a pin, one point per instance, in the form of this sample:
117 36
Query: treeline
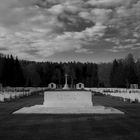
119 73
41 74
125 72
17 73
11 73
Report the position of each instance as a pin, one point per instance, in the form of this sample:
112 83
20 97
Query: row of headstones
8 96
131 95
78 86
16 93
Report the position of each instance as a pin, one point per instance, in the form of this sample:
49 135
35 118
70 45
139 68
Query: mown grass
70 127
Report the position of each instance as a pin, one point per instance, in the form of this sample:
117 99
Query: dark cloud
32 52
3 49
73 23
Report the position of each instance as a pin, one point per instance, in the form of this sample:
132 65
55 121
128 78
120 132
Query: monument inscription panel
67 99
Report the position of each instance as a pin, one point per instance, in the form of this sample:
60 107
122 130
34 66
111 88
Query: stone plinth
39 109
67 99
67 102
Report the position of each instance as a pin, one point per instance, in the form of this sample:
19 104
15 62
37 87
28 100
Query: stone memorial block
80 86
52 86
67 99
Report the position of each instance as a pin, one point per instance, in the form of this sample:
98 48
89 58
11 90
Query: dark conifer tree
18 76
113 75
130 70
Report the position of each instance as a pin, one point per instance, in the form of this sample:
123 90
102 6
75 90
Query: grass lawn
70 127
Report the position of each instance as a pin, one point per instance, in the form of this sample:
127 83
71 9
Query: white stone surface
66 82
67 99
40 109
66 87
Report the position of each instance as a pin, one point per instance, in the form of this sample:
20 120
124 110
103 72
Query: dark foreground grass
70 127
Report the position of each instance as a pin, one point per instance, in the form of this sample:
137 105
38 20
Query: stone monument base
41 109
67 102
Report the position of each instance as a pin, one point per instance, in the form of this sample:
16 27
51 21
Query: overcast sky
67 30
